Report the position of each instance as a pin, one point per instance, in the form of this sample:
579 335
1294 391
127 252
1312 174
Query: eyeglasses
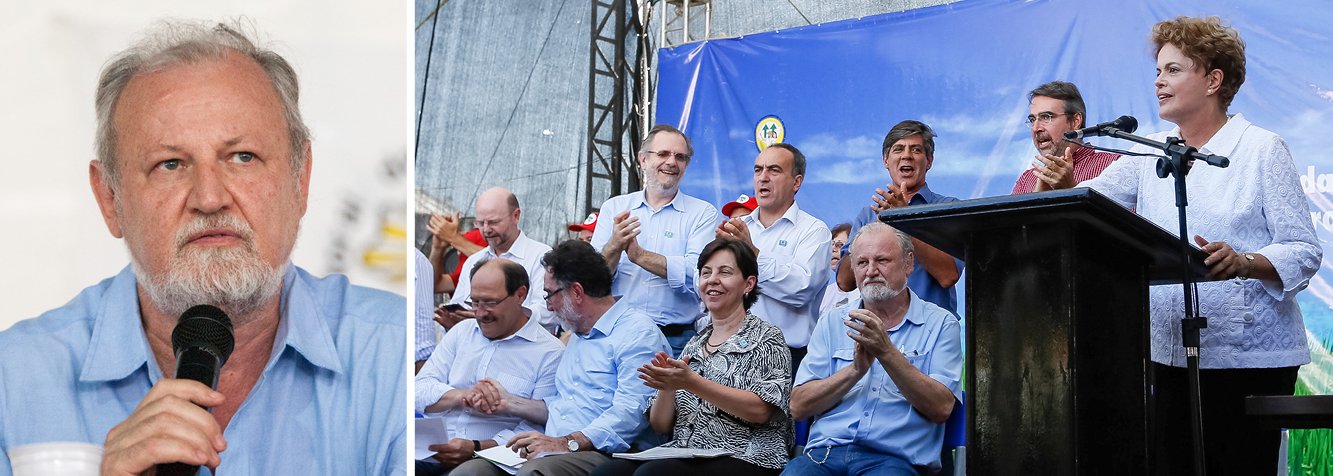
551 294
1044 118
485 305
663 154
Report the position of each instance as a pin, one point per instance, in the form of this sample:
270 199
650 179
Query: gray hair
909 128
880 227
174 43
648 139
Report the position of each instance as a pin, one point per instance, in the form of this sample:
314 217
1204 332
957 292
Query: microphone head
205 327
1127 123
1071 135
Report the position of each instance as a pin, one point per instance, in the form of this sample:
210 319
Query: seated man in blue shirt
881 377
600 401
203 166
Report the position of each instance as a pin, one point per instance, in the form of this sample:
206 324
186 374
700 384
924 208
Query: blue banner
834 90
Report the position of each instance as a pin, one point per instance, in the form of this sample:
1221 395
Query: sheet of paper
429 431
669 453
503 458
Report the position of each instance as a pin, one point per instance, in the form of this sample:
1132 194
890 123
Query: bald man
497 215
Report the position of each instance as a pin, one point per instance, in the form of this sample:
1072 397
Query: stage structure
621 85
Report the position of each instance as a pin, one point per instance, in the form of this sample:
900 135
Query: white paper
662 452
429 431
503 458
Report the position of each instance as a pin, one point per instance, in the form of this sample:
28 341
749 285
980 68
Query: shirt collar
519 249
1083 153
740 341
607 323
926 195
915 311
304 325
118 346
790 215
640 199
1225 141
301 327
531 330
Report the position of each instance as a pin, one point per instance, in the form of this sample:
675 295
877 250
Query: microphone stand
1177 163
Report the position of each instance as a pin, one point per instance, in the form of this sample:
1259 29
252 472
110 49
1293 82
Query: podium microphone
1122 124
202 341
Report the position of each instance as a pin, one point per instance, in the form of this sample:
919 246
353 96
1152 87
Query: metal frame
612 90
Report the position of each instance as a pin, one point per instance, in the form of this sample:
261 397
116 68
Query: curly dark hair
575 261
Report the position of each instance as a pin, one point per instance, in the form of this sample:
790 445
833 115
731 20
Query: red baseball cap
742 201
589 223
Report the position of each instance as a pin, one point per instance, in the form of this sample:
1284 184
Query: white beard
235 279
567 315
880 292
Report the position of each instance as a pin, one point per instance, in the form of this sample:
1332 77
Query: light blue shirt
330 400
523 363
874 413
920 280
598 390
677 231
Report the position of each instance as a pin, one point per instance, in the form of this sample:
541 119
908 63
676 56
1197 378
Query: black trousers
724 466
1233 443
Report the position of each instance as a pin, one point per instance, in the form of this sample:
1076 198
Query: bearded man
203 168
881 376
654 240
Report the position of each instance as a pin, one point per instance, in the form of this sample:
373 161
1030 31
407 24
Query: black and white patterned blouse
755 359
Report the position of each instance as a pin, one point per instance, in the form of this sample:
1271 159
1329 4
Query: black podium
1057 327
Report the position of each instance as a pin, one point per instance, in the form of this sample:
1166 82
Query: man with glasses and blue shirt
600 403
655 238
1055 108
497 215
482 364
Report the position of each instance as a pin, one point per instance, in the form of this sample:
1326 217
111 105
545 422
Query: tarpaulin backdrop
965 69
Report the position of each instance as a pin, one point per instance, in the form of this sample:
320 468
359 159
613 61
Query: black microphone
202 341
1122 124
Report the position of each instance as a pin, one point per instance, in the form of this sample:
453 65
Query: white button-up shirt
526 252
793 271
1255 205
523 363
678 231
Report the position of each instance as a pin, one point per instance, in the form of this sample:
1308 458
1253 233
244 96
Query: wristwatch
1249 265
572 445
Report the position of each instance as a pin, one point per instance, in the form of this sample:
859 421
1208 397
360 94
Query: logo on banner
768 131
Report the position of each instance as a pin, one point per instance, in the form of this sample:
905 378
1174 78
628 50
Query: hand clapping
664 373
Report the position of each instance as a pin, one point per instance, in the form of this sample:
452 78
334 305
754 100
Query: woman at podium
1253 221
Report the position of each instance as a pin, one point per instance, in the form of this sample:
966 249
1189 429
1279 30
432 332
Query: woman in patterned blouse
730 388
